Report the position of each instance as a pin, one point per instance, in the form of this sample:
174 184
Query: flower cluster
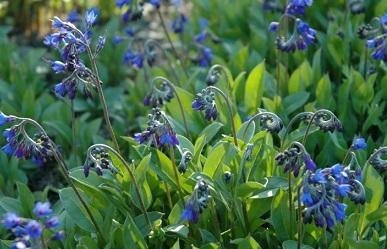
186 157
297 7
28 232
99 160
303 35
376 36
197 202
21 145
204 56
205 101
377 160
71 43
179 23
323 190
294 158
159 131
159 96
327 121
133 58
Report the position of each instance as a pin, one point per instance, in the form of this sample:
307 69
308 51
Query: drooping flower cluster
28 232
71 42
99 160
323 190
197 202
205 101
158 96
178 23
303 35
204 55
159 131
327 121
378 160
376 36
19 144
186 157
294 158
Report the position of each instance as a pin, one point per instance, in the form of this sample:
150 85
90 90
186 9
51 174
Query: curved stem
293 120
98 84
311 121
131 174
178 100
172 156
218 67
228 103
155 43
64 170
170 41
253 118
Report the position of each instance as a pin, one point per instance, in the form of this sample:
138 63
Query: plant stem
133 178
73 128
64 170
292 121
299 237
178 100
170 41
172 156
216 223
98 84
231 113
168 195
170 62
44 244
291 208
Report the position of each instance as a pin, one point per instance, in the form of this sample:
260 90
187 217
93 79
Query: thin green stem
73 129
178 100
170 41
293 120
291 208
218 67
173 160
299 227
132 176
168 195
216 223
170 62
64 170
98 84
44 244
231 113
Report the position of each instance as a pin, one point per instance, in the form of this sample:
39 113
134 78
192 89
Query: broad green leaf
214 159
324 92
301 78
246 189
292 244
180 230
246 134
295 101
280 214
246 243
210 131
26 198
254 88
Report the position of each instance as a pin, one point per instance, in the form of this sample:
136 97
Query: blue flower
57 23
273 27
155 3
8 149
42 209
60 90
121 3
91 17
191 212
34 229
117 39
9 134
142 137
339 211
309 163
307 35
11 220
343 189
178 23
73 16
19 245
129 32
52 222
205 57
168 138
318 177
306 197
58 66
58 235
4 119
205 101
100 44
359 144
297 7
134 59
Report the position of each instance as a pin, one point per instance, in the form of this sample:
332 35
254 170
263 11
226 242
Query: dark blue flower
60 90
306 197
318 177
129 32
34 229
178 23
9 134
121 3
42 209
142 137
117 39
168 138
4 119
205 57
297 7
57 23
339 210
191 212
73 16
359 144
8 149
134 59
58 235
11 220
58 66
155 3
309 163
52 222
307 35
343 189
205 101
273 27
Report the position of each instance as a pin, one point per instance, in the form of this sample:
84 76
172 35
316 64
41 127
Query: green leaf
180 230
246 189
254 88
324 92
301 78
295 101
246 243
292 244
26 198
210 131
280 216
214 159
246 134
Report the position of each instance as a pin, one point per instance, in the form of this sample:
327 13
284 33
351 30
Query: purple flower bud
34 229
42 209
11 220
